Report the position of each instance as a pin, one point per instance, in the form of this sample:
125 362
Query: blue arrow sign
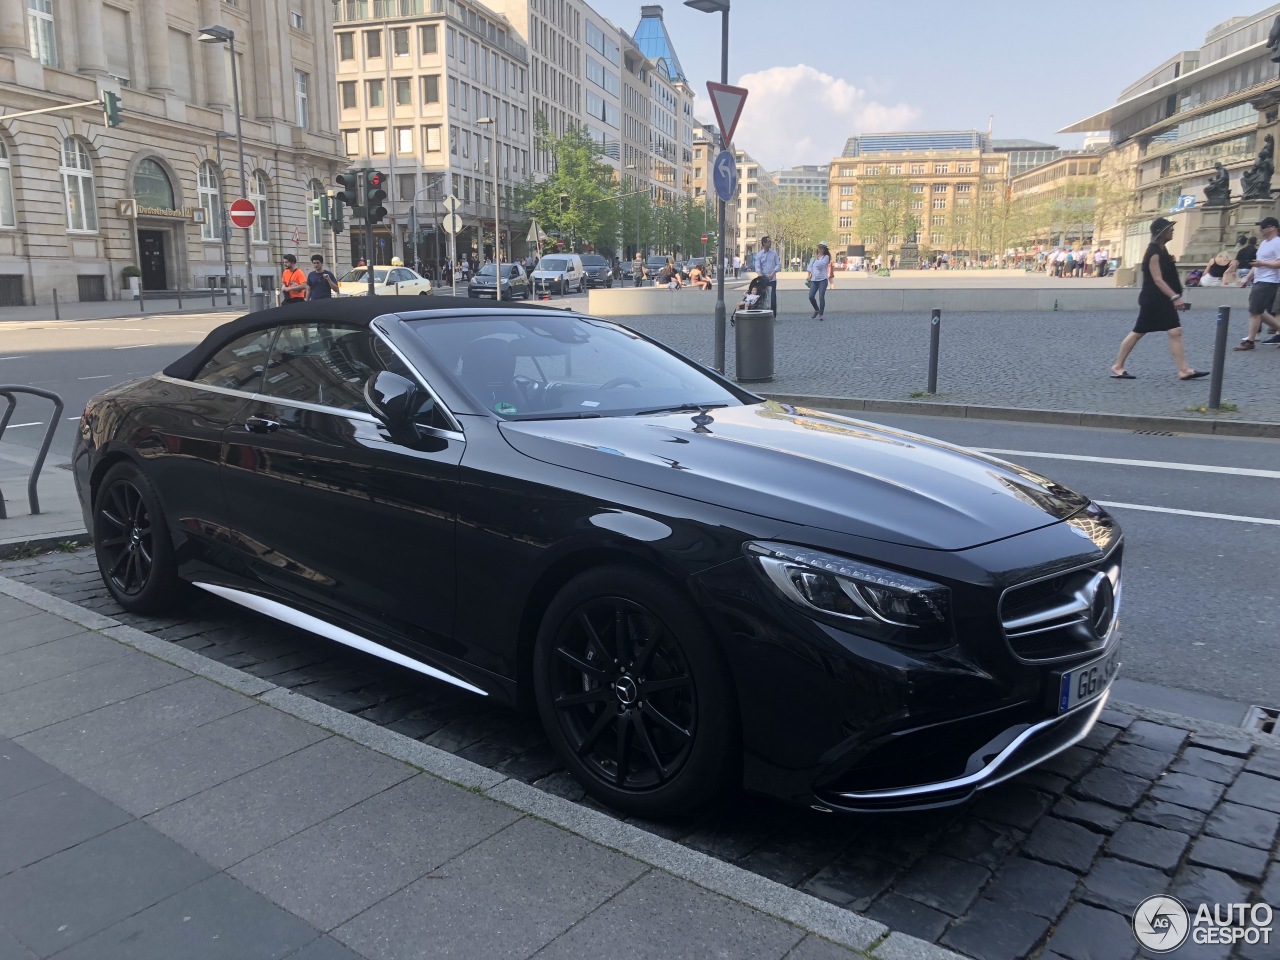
724 175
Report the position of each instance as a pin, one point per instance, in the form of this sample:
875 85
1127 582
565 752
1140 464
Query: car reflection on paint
694 588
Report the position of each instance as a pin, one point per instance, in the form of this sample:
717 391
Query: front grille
1064 615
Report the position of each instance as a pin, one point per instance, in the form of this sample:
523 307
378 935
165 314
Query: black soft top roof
356 310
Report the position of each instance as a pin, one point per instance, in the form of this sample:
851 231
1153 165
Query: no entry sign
243 214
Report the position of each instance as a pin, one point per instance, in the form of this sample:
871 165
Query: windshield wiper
683 408
566 416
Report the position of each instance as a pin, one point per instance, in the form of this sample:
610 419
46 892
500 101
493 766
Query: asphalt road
1202 515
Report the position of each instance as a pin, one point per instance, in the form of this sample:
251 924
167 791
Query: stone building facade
63 175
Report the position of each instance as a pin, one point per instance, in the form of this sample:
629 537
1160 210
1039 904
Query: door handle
261 425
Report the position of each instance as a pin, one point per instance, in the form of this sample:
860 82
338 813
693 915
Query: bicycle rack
7 391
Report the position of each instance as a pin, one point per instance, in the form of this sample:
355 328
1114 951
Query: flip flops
1123 376
1195 376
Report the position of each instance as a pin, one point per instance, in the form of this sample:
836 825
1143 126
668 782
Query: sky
818 73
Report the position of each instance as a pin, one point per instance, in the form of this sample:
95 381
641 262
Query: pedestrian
293 282
1158 304
737 265
1215 274
767 265
1100 262
1243 262
321 283
637 269
820 274
1265 275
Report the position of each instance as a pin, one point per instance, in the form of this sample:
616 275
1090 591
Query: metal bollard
213 296
935 330
57 314
179 296
1219 357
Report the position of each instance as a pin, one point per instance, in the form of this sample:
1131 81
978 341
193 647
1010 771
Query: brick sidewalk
1049 865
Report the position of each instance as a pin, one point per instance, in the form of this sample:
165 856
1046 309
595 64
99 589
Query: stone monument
1217 192
1255 183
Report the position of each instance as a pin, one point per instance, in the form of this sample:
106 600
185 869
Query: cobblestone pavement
1047 866
1049 361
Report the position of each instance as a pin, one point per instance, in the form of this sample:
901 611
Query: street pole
244 180
720 311
222 212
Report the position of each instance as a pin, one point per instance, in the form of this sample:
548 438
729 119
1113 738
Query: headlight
865 599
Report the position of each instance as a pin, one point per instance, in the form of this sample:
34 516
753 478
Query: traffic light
111 109
374 193
335 215
315 208
349 192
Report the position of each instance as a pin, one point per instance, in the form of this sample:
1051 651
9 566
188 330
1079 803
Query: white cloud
800 115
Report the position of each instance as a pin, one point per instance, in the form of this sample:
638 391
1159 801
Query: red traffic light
375 179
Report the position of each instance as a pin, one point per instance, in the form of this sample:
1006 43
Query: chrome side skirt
329 631
992 773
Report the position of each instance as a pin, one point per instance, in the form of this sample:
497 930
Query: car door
327 507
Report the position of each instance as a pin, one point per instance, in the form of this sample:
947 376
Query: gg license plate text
1085 683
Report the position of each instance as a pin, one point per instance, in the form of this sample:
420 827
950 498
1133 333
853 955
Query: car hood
810 468
548 274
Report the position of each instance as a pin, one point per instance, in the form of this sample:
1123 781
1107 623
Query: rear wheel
131 541
634 695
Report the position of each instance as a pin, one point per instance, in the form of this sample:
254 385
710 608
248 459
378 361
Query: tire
678 744
132 545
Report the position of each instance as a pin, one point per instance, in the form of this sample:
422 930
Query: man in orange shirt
293 282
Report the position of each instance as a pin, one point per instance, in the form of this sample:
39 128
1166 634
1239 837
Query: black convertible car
693 586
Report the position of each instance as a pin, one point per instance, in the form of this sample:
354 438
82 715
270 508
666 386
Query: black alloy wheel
637 703
132 545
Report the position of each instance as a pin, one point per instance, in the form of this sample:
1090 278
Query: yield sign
243 213
727 102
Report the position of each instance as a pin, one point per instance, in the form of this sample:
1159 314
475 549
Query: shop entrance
154 268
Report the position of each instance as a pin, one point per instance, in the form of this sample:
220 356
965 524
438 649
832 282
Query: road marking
15 426
73 418
1188 513
13 358
101 376
135 346
1154 464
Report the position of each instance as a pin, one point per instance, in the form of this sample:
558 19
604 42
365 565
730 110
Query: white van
558 272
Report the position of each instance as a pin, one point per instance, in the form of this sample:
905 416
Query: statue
1255 183
1273 40
1217 192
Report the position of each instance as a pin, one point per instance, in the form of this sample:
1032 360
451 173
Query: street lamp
218 137
433 183
632 166
219 34
497 249
721 7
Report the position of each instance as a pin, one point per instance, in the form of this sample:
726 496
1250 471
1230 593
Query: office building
63 175
706 146
811 180
755 186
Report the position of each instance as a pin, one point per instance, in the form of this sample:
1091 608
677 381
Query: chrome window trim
1106 641
422 380
991 774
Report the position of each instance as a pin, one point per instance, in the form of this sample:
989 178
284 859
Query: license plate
1086 682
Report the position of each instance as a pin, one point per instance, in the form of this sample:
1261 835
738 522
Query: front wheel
131 542
634 694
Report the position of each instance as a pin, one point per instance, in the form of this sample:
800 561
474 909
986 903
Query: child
755 290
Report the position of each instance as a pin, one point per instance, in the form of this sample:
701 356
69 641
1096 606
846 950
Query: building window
347 94
400 42
373 44
315 233
427 39
8 213
848 171
378 141
77 187
151 186
917 188
917 168
917 204
432 142
939 203
297 20
990 168
404 140
937 220
846 190
964 168
431 89
873 171
895 170
939 188
302 86
453 141
941 168
963 187
351 142
43 35
404 92
846 205
406 186
346 46
846 222
209 184
258 197
375 93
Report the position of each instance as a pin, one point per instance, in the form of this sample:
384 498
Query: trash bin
753 345
258 301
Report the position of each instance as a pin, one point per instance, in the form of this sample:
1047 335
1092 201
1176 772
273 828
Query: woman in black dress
1158 304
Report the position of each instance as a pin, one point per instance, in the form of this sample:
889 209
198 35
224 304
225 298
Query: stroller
756 290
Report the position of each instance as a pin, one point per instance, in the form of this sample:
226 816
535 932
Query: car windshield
553 263
566 367
486 270
379 275
594 262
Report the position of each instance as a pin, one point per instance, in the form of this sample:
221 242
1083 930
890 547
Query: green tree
579 197
883 203
795 220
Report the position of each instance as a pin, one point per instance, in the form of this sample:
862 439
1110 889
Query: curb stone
802 910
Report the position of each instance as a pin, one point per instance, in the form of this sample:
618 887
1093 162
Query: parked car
515 285
560 273
387 282
655 265
697 262
596 271
694 586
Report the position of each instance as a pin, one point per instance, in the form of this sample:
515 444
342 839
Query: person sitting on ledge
699 279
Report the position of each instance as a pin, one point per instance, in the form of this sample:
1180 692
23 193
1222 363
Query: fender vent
1262 720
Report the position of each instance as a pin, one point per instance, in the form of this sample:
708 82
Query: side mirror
396 402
